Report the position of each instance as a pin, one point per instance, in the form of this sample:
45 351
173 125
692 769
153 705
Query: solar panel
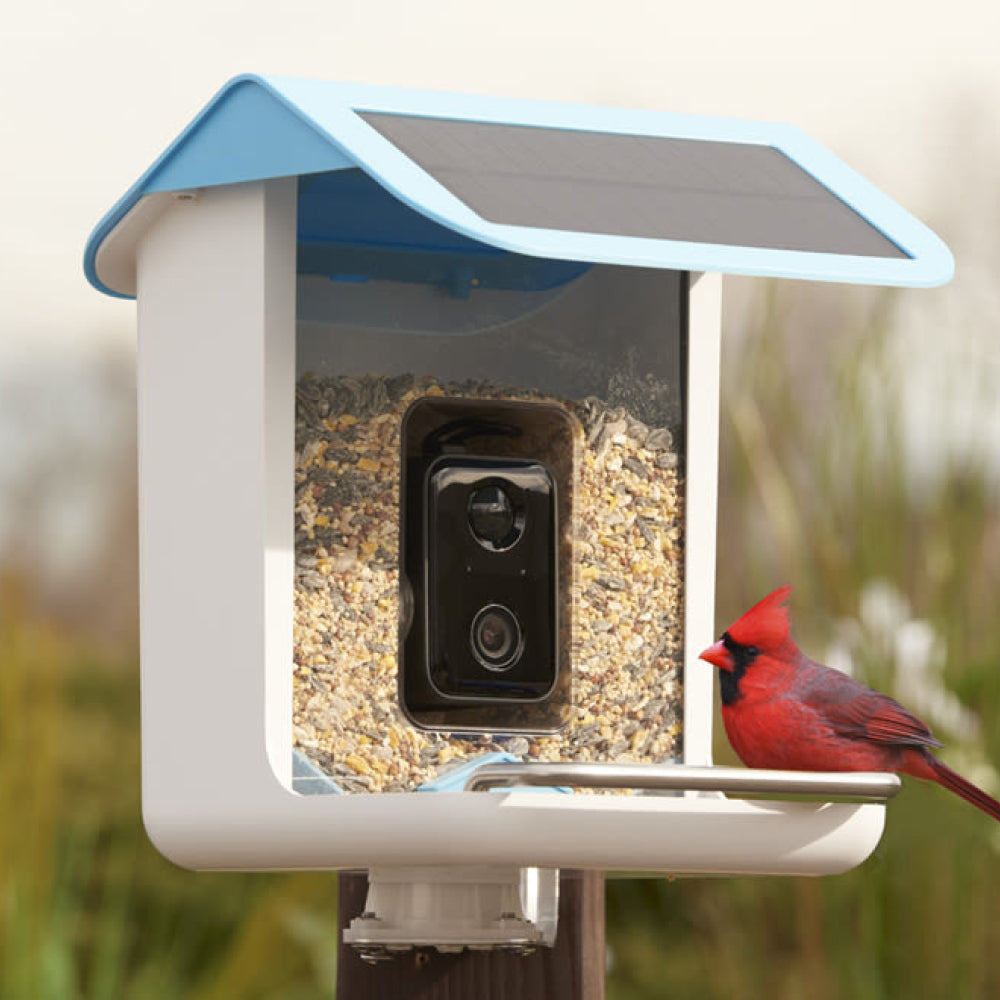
689 190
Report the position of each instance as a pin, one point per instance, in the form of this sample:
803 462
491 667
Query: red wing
860 712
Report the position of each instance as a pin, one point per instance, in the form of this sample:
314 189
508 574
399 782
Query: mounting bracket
452 908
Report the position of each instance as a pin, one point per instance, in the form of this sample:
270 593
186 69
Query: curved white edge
703 835
330 107
115 255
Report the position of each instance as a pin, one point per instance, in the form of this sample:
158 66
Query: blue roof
418 189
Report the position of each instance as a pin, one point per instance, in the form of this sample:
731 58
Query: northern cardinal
783 711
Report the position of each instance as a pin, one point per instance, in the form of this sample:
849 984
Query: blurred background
860 462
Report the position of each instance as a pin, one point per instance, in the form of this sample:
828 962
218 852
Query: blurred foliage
88 909
815 490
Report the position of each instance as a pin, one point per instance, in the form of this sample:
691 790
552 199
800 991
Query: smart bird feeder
405 358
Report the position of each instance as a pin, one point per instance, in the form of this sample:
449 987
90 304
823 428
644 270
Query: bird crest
766 625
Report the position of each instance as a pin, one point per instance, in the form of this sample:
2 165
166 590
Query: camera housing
480 541
490 588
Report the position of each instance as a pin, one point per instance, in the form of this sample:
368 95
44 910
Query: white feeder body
428 431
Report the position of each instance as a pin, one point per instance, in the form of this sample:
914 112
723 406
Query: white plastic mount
453 908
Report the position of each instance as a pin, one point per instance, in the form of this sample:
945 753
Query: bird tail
929 767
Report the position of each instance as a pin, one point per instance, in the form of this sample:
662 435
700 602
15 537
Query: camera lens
496 637
493 518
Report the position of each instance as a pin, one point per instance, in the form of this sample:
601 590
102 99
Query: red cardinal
783 711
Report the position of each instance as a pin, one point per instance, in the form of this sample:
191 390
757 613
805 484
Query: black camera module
493 517
496 637
480 546
490 603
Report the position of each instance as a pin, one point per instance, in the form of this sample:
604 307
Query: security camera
480 555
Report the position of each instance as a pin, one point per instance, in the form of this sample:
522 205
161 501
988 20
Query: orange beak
718 656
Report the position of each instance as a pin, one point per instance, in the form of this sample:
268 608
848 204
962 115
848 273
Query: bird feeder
428 431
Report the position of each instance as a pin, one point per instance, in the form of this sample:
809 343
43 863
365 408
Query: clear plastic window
432 416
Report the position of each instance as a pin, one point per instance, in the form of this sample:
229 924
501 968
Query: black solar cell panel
692 190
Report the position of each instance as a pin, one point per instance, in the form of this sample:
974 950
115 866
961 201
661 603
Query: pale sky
92 93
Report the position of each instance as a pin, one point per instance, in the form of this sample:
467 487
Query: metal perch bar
682 778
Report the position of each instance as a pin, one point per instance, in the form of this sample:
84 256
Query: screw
372 956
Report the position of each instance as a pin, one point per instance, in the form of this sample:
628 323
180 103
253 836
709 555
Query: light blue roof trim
248 131
931 262
259 127
246 134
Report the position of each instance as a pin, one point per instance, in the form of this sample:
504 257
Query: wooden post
573 969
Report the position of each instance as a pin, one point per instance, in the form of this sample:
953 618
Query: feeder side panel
704 335
216 305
